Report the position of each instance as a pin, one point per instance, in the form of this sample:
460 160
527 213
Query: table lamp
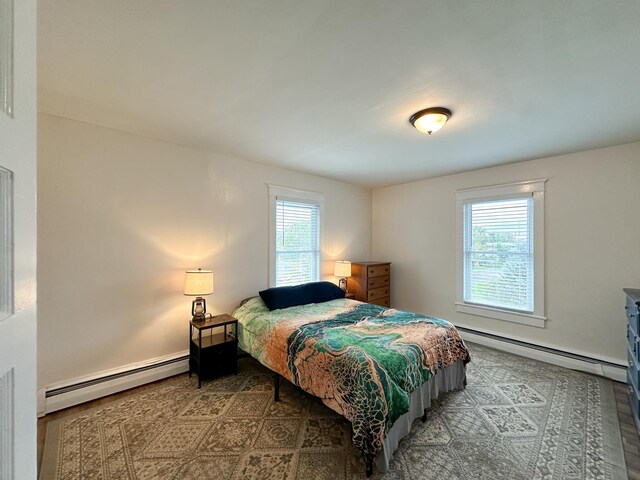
342 270
198 283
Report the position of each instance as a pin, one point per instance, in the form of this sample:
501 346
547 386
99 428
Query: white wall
592 242
18 154
122 217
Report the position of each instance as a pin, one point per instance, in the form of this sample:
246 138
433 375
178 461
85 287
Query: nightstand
213 353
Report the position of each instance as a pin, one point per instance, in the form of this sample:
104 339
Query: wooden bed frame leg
369 466
276 387
424 416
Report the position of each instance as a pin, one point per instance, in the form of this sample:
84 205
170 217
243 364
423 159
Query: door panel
18 253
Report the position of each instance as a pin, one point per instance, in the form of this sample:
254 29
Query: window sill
498 314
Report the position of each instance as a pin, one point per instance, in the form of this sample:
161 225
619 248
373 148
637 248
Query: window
501 252
294 236
498 253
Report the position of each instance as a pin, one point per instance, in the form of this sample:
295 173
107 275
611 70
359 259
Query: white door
17 239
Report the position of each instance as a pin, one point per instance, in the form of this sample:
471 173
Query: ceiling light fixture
430 120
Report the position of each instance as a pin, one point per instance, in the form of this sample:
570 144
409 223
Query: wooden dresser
371 282
633 351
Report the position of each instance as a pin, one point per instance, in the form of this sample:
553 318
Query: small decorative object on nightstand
342 270
215 353
352 296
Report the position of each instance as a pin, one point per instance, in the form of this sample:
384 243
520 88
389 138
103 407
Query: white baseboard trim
84 389
42 399
608 370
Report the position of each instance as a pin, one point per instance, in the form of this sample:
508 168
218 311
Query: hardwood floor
630 439
42 422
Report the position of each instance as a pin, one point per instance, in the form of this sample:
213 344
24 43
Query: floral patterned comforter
362 360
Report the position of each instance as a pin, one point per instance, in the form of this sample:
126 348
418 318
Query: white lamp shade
198 282
342 269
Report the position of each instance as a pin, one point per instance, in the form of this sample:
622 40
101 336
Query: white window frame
277 192
531 188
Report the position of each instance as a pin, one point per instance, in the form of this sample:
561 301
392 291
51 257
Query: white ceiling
327 86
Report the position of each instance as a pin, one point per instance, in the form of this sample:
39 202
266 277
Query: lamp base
342 283
198 309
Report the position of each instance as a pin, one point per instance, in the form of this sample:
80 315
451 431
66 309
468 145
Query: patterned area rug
517 419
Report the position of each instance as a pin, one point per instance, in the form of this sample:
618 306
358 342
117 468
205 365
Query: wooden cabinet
633 351
371 282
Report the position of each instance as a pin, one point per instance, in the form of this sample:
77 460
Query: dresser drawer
632 315
377 282
377 293
383 302
633 369
633 397
632 341
378 270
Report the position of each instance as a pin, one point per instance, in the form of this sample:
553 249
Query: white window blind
498 253
297 242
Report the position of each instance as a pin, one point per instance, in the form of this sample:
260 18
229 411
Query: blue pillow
315 292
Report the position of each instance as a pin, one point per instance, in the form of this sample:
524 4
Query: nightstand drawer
378 293
216 360
378 270
377 282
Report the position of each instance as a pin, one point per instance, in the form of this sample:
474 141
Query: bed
378 367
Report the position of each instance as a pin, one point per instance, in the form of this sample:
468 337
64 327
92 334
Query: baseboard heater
114 376
613 370
78 392
107 383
